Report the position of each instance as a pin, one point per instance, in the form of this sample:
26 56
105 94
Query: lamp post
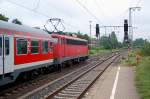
130 23
90 32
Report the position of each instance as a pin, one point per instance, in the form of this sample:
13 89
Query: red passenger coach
69 48
23 49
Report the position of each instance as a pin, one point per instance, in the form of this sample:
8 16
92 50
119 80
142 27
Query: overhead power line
99 6
35 11
139 1
88 11
29 9
37 5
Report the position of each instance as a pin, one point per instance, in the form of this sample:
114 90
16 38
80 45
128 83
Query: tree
105 42
82 36
120 45
139 42
113 39
110 42
3 17
146 49
16 21
85 36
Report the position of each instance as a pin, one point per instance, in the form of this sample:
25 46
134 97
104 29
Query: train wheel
59 67
34 74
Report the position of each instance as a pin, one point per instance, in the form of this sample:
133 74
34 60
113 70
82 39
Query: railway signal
97 30
126 39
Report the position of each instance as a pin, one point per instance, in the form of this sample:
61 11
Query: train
25 51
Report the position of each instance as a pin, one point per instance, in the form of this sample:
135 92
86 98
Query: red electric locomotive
69 48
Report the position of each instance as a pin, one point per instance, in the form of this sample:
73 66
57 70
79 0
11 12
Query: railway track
72 85
18 89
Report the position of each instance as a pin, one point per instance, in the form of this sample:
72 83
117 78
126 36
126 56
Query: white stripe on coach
21 66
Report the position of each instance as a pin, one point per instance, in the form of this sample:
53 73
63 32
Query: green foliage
3 17
120 45
97 50
130 60
143 78
105 42
82 36
146 49
139 42
79 35
110 42
91 52
113 40
16 21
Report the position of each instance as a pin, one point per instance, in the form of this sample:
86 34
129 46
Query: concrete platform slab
104 87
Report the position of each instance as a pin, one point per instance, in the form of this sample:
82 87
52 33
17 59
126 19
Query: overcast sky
76 18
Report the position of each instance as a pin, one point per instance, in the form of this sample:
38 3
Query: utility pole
105 30
90 31
130 23
99 37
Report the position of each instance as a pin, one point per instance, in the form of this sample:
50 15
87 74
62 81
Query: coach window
34 47
21 46
45 46
6 46
0 46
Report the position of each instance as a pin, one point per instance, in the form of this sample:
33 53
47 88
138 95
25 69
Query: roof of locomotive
22 28
68 37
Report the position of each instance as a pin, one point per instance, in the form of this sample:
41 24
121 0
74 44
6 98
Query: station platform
117 82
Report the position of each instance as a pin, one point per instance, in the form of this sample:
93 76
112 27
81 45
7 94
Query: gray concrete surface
125 89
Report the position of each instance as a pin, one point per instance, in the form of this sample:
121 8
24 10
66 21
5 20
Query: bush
91 52
143 78
146 49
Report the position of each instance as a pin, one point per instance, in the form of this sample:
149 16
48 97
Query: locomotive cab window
34 47
0 46
21 46
45 46
6 46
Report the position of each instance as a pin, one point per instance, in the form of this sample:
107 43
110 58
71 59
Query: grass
142 78
131 60
95 51
142 73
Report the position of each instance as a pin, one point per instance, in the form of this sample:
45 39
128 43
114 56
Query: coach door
1 56
6 58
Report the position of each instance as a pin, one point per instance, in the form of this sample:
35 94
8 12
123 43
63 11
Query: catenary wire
35 10
88 11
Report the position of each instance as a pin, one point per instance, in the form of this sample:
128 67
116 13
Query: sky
76 14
